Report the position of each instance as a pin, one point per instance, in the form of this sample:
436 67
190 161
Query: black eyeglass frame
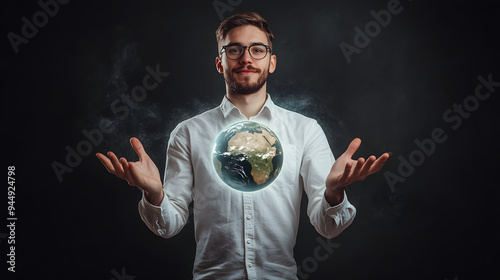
268 50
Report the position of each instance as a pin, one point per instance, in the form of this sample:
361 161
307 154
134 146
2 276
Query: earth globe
247 156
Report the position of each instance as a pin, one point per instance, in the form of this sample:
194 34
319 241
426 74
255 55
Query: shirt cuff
148 206
334 210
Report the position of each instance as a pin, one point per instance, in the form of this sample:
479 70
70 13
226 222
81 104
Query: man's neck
248 104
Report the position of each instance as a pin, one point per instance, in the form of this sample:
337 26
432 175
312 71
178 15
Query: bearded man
245 235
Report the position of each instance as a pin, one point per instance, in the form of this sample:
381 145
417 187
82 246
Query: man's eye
258 49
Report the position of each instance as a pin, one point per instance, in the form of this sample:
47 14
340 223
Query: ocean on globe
248 156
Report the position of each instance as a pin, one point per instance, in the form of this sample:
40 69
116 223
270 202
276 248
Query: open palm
346 170
143 173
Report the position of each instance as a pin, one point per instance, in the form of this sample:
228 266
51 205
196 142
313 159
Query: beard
245 87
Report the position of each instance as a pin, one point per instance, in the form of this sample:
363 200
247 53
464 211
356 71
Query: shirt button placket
249 236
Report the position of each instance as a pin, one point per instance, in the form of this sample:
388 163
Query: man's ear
218 65
272 63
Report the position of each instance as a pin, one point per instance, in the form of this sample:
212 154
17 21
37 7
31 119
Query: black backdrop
436 223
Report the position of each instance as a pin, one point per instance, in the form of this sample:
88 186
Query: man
245 235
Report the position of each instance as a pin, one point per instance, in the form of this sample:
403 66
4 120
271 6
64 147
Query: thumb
353 147
138 148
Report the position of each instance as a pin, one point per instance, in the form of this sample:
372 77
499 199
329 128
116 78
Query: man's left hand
346 171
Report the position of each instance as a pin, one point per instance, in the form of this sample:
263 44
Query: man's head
245 71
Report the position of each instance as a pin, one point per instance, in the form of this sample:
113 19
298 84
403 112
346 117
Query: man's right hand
143 173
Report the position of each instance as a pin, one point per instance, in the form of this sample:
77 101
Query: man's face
245 75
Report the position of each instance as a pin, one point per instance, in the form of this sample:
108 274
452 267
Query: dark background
440 223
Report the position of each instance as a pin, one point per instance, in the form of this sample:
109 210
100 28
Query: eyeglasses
235 51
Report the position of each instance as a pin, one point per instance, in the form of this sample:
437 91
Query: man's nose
246 58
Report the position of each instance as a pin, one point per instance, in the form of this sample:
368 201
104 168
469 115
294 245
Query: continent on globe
248 156
258 147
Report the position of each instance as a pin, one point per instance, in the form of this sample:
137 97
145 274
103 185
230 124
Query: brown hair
244 18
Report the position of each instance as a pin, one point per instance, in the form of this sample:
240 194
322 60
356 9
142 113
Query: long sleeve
242 235
316 164
170 217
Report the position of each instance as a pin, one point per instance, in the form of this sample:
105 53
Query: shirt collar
227 107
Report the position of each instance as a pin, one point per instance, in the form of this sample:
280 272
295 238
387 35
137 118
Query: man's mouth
246 71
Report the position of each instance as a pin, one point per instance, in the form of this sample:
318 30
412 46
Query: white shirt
246 235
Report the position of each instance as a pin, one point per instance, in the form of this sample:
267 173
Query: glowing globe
247 156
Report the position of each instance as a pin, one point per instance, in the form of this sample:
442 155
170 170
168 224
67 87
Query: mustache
247 68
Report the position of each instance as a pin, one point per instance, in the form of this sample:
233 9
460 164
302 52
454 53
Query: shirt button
250 265
249 241
249 217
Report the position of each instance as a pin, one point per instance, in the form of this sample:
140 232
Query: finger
125 164
357 168
379 163
138 148
117 165
106 162
126 170
366 167
353 147
347 172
